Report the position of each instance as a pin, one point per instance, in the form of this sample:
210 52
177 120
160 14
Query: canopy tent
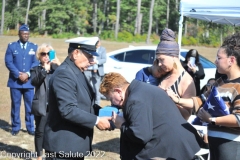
216 11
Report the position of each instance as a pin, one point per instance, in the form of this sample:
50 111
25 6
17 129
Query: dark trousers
223 149
16 96
40 122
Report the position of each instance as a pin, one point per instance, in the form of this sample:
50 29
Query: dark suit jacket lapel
81 77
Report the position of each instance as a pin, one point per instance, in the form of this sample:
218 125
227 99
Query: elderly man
19 59
69 130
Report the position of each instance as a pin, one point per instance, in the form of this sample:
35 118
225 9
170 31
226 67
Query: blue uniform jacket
19 60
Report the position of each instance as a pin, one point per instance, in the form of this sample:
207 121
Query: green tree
118 17
28 7
150 21
2 20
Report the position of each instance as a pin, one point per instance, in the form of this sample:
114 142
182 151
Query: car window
140 56
205 62
152 56
183 54
119 56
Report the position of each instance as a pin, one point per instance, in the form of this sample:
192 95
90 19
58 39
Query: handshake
113 116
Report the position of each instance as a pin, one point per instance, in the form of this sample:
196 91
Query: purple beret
24 27
167 44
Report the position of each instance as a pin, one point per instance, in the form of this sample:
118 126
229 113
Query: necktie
23 46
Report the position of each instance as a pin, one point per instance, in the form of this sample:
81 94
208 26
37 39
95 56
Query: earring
175 65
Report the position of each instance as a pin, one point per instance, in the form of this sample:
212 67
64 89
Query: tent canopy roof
216 11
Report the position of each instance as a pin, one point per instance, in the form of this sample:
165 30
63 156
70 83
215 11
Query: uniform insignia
15 52
31 52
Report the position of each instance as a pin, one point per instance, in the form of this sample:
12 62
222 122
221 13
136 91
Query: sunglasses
44 54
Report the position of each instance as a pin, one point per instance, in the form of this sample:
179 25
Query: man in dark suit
95 72
19 59
69 129
150 124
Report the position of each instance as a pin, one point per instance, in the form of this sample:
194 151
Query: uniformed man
19 58
69 129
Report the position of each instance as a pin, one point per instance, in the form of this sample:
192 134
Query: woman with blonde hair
40 76
167 55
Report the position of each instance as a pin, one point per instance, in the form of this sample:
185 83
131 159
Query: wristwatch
213 120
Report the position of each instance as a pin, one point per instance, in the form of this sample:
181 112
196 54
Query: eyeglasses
44 53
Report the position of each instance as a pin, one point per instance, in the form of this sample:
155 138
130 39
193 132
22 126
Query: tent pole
180 32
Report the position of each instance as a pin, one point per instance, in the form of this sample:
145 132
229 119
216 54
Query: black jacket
40 79
154 127
71 117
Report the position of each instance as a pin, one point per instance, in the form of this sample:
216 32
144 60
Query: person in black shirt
195 70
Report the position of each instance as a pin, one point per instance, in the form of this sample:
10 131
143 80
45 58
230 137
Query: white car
128 61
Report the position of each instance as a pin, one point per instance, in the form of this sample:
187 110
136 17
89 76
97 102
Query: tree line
111 19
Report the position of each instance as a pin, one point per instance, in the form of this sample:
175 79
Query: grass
105 143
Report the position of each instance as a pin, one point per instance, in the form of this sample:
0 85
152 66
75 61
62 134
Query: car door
130 62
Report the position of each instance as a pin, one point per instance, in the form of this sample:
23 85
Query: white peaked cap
86 44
